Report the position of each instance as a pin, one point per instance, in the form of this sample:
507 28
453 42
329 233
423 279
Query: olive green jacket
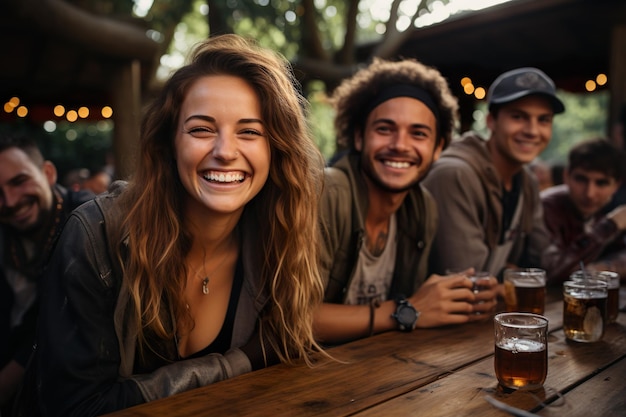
343 210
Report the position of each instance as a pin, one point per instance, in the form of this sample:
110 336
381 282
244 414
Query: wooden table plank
372 371
603 395
397 367
462 393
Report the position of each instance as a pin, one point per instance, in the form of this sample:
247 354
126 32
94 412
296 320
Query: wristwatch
406 315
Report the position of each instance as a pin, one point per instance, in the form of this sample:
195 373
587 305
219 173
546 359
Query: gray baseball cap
522 82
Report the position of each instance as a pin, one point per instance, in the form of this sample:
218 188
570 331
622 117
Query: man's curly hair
353 96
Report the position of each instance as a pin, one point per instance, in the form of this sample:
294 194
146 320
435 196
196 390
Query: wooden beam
617 77
108 37
126 116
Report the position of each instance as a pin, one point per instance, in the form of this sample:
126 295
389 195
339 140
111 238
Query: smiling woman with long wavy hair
204 266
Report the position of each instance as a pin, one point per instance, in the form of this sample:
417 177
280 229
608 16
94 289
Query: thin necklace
207 277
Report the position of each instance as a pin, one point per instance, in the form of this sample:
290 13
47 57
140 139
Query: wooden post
126 116
617 77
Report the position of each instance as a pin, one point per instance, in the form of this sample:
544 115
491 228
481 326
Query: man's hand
486 299
449 299
618 215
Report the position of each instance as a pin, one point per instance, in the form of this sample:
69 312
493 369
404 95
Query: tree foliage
585 117
322 37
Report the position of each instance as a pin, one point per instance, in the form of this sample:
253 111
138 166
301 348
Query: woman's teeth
224 177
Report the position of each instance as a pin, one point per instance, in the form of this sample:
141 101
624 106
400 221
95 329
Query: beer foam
528 284
516 345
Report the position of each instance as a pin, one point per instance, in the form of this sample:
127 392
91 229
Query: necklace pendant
205 285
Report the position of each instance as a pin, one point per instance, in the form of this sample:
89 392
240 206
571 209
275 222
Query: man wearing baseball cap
490 214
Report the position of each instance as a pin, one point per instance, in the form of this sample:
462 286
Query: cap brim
557 104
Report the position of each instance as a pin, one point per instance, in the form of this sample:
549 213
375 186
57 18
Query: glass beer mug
521 350
525 290
584 309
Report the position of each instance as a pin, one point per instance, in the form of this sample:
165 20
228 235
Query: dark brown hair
599 155
352 98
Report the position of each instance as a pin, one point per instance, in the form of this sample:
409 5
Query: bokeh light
83 112
59 110
71 116
22 111
107 112
590 85
49 126
480 93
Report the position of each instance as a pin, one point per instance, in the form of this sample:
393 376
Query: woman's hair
286 207
353 96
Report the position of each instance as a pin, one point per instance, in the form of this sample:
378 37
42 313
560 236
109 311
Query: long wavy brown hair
284 212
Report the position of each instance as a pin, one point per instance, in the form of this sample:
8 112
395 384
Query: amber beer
613 281
521 352
612 305
525 290
584 310
521 363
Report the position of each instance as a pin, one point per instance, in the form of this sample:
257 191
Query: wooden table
429 372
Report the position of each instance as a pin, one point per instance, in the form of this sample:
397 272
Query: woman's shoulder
103 210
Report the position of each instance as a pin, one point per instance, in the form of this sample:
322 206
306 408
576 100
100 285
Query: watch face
406 315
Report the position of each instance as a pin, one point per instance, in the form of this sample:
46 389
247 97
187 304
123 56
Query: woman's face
222 148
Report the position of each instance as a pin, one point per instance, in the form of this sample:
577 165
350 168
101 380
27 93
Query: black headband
404 90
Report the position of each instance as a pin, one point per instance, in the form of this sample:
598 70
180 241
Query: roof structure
53 53
571 40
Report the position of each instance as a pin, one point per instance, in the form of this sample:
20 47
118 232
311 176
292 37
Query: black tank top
222 342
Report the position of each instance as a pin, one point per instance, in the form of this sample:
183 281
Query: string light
14 105
22 111
83 112
107 112
59 110
71 116
10 105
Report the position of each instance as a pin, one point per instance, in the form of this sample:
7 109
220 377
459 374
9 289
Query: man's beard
29 230
368 170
